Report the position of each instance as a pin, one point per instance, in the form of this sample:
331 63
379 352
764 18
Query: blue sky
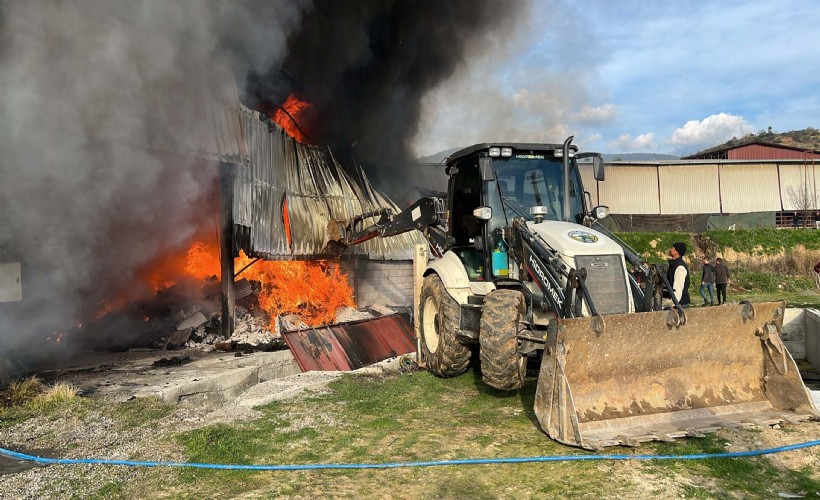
629 76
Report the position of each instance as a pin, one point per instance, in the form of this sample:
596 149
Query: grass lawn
417 417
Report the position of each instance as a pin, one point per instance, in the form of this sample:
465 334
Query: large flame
311 290
291 117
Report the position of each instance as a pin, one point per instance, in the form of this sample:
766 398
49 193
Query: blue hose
393 465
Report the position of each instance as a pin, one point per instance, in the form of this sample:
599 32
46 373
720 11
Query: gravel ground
96 435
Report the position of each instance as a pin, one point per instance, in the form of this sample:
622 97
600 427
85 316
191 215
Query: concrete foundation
801 334
812 323
204 379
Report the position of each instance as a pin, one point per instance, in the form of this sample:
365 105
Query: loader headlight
506 152
559 153
483 213
495 151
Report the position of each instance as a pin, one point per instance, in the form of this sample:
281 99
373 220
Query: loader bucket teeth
644 378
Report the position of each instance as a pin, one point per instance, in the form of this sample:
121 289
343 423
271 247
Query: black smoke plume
365 67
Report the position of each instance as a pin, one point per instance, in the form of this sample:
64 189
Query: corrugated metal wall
203 120
630 190
763 152
689 189
703 187
316 189
799 183
749 188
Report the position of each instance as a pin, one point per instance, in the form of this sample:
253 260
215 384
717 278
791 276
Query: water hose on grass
394 465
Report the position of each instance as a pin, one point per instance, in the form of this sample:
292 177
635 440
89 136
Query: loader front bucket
645 376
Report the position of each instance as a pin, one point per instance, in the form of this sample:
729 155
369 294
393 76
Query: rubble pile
187 315
250 332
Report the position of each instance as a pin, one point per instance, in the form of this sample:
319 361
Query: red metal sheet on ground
347 346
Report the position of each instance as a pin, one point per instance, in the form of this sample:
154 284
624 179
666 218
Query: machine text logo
542 275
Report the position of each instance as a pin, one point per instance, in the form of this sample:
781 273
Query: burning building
137 134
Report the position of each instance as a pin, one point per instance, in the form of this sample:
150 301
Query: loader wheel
439 316
501 365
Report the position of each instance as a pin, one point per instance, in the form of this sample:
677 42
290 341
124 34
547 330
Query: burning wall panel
315 189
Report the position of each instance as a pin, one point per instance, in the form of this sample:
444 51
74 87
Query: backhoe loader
522 268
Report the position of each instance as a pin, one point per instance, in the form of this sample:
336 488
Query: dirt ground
96 434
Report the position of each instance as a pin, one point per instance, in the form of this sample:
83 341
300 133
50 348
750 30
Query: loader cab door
466 230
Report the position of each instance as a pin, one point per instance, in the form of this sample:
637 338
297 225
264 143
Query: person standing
678 273
707 282
721 279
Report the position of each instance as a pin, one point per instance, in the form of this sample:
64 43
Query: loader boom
425 215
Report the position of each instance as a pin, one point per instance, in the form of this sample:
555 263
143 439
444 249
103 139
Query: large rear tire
502 367
439 316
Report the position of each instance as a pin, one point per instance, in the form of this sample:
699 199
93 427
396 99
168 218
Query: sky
631 76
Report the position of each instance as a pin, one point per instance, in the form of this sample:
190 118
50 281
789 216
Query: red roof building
755 150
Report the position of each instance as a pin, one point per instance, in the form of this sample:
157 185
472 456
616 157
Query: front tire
439 317
502 367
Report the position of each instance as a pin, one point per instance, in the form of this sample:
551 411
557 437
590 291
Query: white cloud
625 143
710 131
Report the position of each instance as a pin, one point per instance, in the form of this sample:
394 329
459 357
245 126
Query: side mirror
483 213
598 167
600 212
485 167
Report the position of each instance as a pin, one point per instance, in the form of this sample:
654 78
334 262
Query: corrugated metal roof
754 149
798 182
692 189
348 346
749 188
317 190
630 190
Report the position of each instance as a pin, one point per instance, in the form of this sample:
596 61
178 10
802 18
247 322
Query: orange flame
57 336
296 108
311 290
286 221
202 261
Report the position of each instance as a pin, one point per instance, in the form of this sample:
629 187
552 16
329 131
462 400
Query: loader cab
509 179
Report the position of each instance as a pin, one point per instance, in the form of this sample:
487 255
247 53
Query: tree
803 198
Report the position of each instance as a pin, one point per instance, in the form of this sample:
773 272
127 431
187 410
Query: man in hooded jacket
678 273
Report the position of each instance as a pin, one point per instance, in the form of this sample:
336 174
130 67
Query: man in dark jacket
678 273
707 282
721 279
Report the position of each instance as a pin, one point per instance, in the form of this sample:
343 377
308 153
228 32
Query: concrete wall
813 338
388 282
794 332
801 334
